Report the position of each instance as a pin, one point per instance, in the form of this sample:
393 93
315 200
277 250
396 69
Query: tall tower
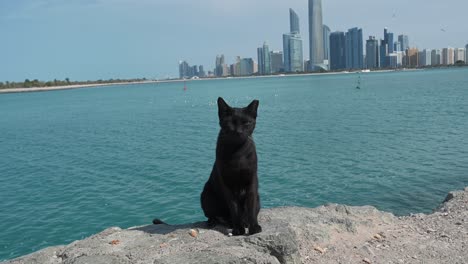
466 54
292 46
326 42
316 51
293 21
264 60
354 49
337 50
372 53
404 42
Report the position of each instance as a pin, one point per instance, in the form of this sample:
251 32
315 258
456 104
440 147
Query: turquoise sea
74 162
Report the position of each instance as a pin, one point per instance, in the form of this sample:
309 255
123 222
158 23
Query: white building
459 55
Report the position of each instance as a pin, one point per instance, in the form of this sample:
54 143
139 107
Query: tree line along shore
37 83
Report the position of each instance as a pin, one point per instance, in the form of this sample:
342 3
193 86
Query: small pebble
114 242
319 249
193 232
366 260
377 236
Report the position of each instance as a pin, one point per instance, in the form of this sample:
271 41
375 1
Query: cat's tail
158 221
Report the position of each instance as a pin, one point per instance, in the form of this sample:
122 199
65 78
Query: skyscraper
388 39
293 22
436 57
425 58
447 56
384 62
354 49
326 43
412 55
459 55
220 66
276 61
246 66
466 54
316 50
337 51
292 46
397 46
184 69
264 60
404 42
292 52
372 53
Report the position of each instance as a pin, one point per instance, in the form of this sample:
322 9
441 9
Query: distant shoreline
76 86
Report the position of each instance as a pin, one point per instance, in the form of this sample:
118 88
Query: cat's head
237 122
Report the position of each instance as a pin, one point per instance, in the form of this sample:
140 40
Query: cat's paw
255 229
238 231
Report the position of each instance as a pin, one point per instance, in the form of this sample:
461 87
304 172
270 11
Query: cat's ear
252 108
223 107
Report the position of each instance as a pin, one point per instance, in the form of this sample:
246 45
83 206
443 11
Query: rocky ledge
327 234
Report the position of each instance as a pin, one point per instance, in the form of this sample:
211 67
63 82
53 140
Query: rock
319 249
193 232
352 234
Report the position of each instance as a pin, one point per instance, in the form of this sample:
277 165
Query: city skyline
49 39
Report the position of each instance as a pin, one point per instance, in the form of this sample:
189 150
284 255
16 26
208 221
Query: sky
103 39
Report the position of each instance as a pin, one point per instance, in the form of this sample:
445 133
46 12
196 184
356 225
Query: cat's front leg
253 207
237 227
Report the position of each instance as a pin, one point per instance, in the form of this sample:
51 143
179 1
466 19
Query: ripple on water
75 162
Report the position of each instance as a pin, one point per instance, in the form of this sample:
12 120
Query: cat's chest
239 171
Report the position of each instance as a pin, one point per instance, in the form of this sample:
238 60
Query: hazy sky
93 39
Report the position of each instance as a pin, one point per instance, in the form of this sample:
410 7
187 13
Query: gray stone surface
327 234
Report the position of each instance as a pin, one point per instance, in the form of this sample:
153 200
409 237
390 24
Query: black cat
231 193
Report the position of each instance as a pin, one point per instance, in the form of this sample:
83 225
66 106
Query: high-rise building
372 53
221 68
412 55
201 71
425 58
388 39
404 42
337 51
395 59
397 46
293 22
466 54
326 43
264 60
235 67
459 55
184 69
384 63
448 56
246 67
292 46
276 61
354 49
292 53
436 55
316 50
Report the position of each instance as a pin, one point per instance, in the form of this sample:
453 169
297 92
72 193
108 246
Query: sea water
74 162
